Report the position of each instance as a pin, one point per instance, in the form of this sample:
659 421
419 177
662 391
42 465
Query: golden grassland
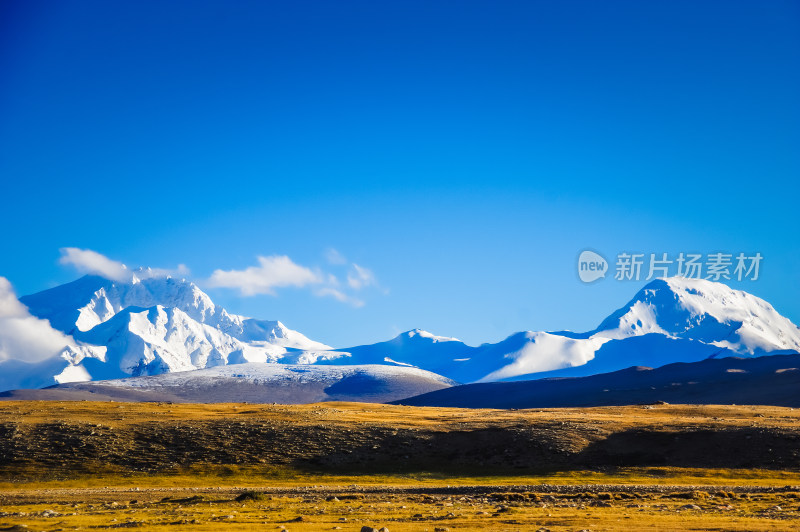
296 487
121 414
323 507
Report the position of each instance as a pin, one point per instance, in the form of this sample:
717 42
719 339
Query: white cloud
88 261
338 295
149 273
334 257
273 272
279 271
360 277
23 336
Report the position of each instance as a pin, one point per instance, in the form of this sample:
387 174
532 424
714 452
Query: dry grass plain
161 466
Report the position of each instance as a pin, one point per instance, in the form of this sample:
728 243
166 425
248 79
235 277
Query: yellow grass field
343 466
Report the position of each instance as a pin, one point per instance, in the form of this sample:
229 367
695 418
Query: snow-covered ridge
271 383
425 334
273 373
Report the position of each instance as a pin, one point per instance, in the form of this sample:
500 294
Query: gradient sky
463 152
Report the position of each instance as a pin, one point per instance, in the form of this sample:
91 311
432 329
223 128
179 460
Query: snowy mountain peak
91 300
421 334
703 310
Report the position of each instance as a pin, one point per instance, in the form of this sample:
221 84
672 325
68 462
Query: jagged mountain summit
77 307
147 326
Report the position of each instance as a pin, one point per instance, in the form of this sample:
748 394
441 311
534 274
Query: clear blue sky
464 152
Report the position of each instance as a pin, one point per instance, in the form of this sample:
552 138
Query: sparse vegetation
317 467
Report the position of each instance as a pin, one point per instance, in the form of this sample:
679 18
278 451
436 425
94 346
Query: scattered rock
249 496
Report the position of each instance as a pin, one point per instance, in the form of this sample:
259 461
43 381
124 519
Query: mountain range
155 325
669 320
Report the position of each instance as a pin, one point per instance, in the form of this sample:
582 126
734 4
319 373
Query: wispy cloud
334 257
182 270
272 272
338 295
23 336
89 261
360 277
279 271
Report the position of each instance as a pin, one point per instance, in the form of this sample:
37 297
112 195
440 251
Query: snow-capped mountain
148 326
669 320
79 306
415 348
156 325
685 320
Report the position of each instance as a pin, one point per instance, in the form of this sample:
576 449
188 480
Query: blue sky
463 153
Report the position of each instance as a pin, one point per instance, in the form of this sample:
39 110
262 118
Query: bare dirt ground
83 465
